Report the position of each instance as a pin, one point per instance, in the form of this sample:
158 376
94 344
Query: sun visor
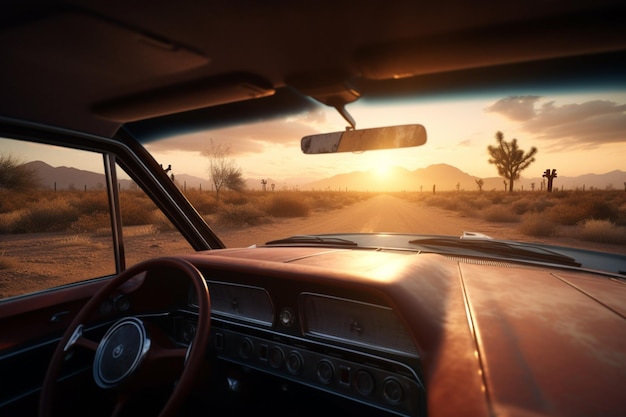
479 48
184 97
94 48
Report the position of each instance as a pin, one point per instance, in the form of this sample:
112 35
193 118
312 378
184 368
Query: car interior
294 328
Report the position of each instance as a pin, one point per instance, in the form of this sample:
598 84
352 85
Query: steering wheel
127 348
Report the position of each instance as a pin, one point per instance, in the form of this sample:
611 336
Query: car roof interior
159 67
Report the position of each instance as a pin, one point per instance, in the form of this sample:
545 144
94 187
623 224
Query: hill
443 177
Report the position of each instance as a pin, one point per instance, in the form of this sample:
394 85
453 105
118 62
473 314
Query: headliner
97 65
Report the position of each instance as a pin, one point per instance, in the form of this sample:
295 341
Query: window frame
139 165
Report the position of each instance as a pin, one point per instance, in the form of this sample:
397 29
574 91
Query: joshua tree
480 182
550 176
264 184
510 159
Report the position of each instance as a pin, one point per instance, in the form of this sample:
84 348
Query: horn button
120 352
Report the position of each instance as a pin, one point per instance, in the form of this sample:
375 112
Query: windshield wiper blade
312 239
521 251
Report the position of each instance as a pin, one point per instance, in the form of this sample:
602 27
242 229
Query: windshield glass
253 184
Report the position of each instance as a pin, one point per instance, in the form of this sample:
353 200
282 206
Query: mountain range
443 177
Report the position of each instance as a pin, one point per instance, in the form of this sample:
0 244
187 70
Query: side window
55 219
55 225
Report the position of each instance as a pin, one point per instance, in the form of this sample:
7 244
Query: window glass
55 225
146 231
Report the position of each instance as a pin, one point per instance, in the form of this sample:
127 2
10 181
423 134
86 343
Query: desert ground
43 261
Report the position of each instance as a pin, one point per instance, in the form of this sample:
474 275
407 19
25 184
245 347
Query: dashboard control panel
378 382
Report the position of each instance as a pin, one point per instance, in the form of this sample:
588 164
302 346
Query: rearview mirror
389 137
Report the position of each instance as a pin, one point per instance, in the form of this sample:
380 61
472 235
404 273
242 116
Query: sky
576 134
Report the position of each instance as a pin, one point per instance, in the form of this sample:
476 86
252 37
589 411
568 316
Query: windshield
253 184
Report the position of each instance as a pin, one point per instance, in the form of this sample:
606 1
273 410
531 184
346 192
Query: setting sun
382 171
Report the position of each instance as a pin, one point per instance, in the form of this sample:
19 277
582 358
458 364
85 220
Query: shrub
566 214
92 202
576 211
137 208
9 220
12 201
326 201
496 197
540 204
92 222
47 216
521 206
466 210
602 231
499 213
479 203
241 215
204 201
536 224
235 198
287 205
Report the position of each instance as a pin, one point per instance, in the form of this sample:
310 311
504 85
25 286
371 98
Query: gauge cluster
351 348
243 302
355 323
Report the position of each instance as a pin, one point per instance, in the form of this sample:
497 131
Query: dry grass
536 224
92 222
499 213
241 215
287 204
602 231
596 215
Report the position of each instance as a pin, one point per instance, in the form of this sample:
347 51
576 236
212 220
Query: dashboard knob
245 348
276 357
294 363
325 371
392 391
364 382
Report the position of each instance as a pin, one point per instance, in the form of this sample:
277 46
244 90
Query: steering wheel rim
194 357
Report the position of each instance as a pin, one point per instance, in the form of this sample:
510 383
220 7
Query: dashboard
342 341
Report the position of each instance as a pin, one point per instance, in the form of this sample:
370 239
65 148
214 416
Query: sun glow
382 171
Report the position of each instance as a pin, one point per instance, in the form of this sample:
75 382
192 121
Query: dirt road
382 213
385 213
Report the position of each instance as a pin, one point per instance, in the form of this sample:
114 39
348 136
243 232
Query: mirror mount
344 113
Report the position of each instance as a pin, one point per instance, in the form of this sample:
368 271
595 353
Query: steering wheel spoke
133 354
78 339
161 353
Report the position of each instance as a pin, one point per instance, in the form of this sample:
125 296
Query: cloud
575 125
518 108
